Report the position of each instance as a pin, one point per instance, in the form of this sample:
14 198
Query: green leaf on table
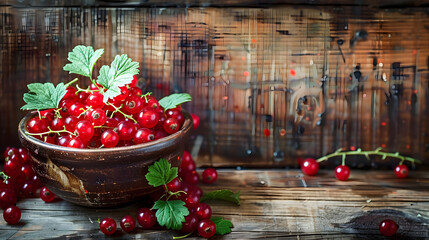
223 226
82 60
120 73
174 100
43 96
223 194
171 214
161 173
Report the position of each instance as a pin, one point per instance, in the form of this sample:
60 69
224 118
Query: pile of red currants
19 181
199 212
84 120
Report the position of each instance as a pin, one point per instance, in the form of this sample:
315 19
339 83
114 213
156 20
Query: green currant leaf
171 214
160 173
223 226
82 60
120 73
224 194
174 100
43 96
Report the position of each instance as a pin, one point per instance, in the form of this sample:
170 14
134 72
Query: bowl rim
186 127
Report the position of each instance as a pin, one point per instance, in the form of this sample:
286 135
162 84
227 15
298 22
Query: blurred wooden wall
249 71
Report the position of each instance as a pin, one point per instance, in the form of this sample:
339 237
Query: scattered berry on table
388 227
342 172
108 226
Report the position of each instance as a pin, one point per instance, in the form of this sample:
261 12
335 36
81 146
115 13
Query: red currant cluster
310 166
84 120
19 181
186 185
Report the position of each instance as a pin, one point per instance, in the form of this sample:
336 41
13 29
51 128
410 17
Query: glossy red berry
146 218
174 185
126 130
97 117
190 224
187 163
12 215
209 175
206 228
171 125
7 197
84 130
195 121
401 171
203 211
57 124
46 195
148 118
76 142
309 166
70 123
28 172
388 227
191 177
128 223
192 200
95 100
28 189
108 226
342 172
38 125
70 93
133 104
109 138
143 135
76 109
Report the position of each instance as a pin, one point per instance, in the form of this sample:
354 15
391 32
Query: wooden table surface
275 204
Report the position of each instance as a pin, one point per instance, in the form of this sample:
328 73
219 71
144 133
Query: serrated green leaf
82 60
43 96
161 173
223 226
171 214
119 74
224 194
174 100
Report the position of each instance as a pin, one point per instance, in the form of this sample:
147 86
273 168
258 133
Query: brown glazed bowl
101 177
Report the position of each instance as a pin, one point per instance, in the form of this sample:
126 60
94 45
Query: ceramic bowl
101 177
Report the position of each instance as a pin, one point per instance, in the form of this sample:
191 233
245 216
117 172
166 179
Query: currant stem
376 152
119 110
4 176
184 236
81 89
71 82
51 131
145 96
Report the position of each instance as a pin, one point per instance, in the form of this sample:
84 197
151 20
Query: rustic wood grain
275 204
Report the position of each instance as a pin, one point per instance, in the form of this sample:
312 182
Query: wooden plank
326 208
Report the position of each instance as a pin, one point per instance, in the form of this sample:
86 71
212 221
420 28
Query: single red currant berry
187 163
12 167
342 172
388 227
192 200
191 177
70 123
97 117
82 96
309 166
133 104
76 109
109 138
126 130
206 228
143 135
401 171
190 224
148 118
203 211
146 218
37 125
209 175
108 226
152 102
7 197
57 124
47 114
28 171
174 185
95 100
70 93
128 223
28 189
135 91
63 140
12 215
195 121
76 142
171 125
84 130
46 195
37 182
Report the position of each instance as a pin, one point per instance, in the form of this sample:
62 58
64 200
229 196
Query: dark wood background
247 69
